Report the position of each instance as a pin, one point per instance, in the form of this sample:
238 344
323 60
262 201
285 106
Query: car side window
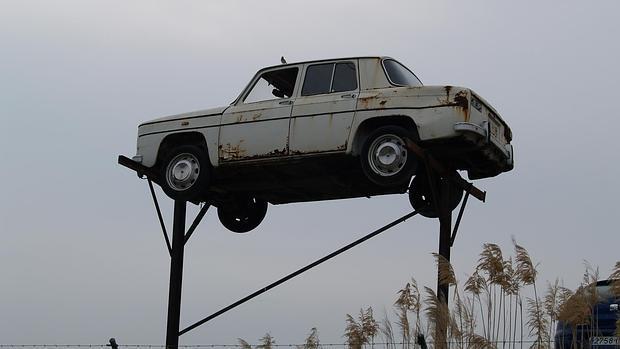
345 77
400 75
318 79
275 84
328 78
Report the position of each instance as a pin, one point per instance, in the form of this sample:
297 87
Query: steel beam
445 235
176 275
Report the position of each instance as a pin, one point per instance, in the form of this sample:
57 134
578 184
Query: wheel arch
370 124
182 138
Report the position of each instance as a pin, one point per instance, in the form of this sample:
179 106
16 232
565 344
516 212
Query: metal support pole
445 233
176 275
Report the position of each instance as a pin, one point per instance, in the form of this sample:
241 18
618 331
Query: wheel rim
182 171
387 155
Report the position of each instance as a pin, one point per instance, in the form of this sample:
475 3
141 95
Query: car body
304 132
598 330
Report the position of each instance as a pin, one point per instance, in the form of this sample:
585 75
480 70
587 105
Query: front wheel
385 158
242 214
184 172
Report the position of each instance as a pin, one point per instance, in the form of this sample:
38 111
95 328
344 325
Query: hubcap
182 172
387 155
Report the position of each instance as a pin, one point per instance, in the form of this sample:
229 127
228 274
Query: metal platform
436 171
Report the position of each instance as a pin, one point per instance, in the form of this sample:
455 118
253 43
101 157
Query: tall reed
312 340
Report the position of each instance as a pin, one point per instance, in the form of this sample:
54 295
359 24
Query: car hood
192 114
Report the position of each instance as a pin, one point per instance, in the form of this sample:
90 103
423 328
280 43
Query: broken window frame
273 97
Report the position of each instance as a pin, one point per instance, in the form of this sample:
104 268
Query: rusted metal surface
291 129
230 151
254 131
329 126
238 152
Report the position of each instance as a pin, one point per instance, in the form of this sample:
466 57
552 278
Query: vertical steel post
176 275
445 233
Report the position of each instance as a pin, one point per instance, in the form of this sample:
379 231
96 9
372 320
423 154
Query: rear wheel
184 173
421 195
242 214
385 158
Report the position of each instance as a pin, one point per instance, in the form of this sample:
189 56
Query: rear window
399 75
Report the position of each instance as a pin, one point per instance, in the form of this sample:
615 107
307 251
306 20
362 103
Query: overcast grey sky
81 254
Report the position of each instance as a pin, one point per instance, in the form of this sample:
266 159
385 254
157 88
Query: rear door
323 113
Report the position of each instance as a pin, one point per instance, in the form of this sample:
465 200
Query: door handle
349 95
286 102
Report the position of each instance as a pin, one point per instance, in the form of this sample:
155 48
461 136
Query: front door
322 115
256 126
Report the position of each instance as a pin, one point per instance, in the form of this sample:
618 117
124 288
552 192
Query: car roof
606 282
325 60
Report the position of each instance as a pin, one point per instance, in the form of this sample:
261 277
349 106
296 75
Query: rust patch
365 101
275 152
256 116
232 152
236 152
371 102
461 101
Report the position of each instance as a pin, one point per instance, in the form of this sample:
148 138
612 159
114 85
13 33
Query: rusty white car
320 130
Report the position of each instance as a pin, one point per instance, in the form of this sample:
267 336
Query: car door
256 126
323 113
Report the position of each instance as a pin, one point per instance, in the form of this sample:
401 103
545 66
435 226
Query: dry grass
243 344
388 332
492 263
438 316
363 330
537 323
526 271
478 342
487 312
490 314
312 341
445 271
266 342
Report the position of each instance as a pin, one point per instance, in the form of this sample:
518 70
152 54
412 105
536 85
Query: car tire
421 196
242 214
184 172
385 159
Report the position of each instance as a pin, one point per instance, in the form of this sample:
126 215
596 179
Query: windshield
399 75
608 291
